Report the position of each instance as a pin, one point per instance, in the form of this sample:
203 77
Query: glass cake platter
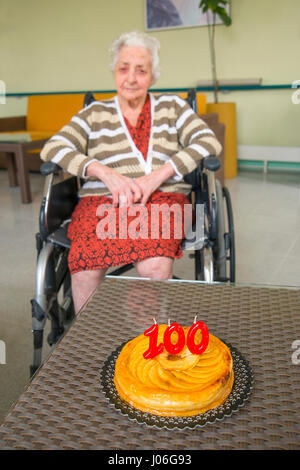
242 386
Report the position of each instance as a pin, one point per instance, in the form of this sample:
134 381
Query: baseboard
267 157
269 154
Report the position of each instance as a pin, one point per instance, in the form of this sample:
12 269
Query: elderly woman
134 149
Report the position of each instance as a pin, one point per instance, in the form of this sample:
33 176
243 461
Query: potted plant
226 111
217 8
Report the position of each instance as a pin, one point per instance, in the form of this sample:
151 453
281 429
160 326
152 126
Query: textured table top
65 407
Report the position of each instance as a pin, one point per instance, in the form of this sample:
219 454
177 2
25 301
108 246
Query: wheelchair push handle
211 162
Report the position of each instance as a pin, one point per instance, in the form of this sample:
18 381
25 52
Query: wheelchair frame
214 255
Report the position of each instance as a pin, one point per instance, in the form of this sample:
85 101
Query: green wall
63 45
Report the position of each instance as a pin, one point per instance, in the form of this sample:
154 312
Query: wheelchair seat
59 237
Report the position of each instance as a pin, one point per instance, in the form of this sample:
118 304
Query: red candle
153 349
201 347
170 347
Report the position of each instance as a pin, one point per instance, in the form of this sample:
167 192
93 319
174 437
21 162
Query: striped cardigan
99 133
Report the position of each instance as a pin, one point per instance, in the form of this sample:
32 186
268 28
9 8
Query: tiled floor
267 231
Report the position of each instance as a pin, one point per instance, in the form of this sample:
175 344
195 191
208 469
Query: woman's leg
156 268
83 285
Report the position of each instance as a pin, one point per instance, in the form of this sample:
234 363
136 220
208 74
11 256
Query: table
64 407
16 146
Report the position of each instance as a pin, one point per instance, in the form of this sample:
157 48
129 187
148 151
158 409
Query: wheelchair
213 252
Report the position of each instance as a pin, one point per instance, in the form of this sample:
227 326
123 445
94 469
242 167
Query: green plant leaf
215 7
203 5
223 15
212 5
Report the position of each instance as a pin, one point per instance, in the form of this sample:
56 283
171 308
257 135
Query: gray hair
137 38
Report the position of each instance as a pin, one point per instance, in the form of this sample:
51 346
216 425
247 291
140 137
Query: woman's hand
149 183
124 190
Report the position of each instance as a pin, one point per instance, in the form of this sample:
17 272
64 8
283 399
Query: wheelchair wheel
229 237
61 309
224 247
204 257
52 301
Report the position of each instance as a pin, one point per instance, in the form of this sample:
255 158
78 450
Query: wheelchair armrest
48 168
211 163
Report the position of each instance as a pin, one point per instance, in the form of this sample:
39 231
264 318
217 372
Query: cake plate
243 382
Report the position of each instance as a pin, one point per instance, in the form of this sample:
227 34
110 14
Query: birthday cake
182 384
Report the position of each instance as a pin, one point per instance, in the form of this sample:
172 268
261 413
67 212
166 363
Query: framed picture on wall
170 14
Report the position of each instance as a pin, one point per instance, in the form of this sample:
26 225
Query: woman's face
133 73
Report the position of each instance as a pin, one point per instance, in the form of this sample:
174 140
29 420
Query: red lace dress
102 236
